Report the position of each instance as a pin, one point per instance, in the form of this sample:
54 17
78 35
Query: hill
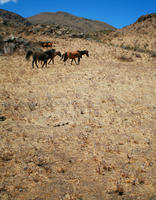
77 132
12 19
139 36
71 21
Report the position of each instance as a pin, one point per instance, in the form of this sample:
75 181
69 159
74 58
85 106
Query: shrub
153 54
125 58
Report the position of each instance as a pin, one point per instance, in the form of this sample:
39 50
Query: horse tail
29 53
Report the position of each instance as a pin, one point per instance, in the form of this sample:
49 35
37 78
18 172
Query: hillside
12 19
78 132
139 36
71 21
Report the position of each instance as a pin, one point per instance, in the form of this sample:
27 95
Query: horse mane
51 51
82 51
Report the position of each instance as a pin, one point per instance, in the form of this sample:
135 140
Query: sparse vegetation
125 58
153 54
78 132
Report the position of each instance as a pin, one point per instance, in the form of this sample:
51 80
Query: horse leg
33 63
65 58
62 57
36 63
78 60
49 61
75 61
72 61
45 63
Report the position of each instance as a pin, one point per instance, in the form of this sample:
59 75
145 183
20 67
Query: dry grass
80 132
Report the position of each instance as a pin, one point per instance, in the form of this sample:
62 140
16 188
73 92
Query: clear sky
118 13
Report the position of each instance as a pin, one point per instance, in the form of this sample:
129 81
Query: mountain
71 21
13 19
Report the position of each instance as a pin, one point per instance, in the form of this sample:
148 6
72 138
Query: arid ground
79 132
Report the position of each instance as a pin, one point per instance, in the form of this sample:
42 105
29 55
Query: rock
9 48
119 189
11 44
2 118
77 35
59 33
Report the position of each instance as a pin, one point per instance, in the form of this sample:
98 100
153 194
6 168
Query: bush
125 59
153 54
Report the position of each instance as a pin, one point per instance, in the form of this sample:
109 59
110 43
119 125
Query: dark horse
37 56
52 53
73 55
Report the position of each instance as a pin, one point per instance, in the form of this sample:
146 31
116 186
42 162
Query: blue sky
118 13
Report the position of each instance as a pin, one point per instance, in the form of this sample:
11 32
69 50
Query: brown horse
46 44
52 53
73 55
37 56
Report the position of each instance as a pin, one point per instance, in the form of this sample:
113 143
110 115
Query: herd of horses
45 57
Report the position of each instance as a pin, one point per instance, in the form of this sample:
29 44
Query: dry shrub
125 58
153 54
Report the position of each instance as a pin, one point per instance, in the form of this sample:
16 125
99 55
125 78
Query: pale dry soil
78 132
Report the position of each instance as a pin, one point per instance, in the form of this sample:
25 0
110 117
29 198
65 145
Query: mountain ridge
66 19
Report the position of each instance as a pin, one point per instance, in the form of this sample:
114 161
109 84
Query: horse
73 55
52 53
37 56
46 44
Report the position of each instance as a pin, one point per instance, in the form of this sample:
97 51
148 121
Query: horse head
86 52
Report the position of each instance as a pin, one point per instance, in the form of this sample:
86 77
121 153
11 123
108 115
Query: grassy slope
78 132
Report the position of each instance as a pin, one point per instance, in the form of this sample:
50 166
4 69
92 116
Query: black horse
73 55
37 56
52 53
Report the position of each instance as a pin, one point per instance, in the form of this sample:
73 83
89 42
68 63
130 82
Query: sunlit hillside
78 132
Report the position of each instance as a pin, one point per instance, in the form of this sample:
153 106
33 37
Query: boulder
11 44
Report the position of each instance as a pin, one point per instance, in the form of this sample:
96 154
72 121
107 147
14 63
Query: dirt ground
78 132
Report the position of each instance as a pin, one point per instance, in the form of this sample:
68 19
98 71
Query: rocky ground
78 132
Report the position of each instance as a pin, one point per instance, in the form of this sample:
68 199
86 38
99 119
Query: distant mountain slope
139 36
10 18
65 19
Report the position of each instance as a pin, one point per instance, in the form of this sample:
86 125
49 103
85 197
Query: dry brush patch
77 131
